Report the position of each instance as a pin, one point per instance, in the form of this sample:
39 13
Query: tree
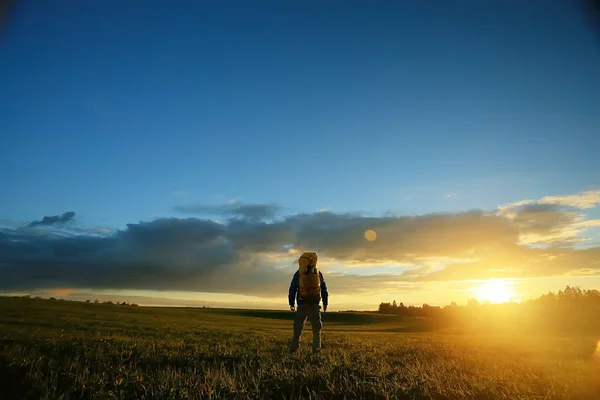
472 303
385 308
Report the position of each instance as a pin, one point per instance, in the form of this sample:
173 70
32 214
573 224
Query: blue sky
121 112
111 110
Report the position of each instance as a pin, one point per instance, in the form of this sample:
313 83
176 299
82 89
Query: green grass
57 349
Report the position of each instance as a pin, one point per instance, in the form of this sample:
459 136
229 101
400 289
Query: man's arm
293 290
324 292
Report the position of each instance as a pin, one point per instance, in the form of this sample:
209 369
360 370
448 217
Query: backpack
309 280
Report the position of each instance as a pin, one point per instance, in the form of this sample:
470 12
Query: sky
188 154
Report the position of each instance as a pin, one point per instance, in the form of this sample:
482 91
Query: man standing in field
308 288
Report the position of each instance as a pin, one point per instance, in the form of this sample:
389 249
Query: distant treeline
571 309
115 303
27 296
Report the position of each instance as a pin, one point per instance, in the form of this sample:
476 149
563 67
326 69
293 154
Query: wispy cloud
54 220
552 220
233 208
583 200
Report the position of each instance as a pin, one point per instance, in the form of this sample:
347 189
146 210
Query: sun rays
495 291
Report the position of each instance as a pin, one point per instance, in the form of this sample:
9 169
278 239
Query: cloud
54 220
241 256
251 256
167 254
583 200
552 220
547 223
587 199
519 263
234 209
401 239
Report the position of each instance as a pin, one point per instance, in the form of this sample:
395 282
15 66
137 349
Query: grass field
68 350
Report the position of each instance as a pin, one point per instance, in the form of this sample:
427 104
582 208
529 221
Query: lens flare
370 235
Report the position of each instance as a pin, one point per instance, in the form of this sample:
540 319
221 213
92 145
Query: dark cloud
250 256
54 220
161 255
255 212
552 224
402 239
544 219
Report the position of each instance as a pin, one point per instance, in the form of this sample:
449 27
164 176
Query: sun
495 291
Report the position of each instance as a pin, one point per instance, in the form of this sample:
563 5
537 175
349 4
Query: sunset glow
403 145
495 291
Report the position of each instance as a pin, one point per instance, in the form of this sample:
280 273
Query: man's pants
312 312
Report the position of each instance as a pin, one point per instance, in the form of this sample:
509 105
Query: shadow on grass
15 382
343 318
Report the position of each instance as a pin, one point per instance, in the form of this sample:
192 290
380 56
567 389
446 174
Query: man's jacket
293 294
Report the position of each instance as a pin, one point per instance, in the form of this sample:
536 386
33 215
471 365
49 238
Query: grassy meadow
68 350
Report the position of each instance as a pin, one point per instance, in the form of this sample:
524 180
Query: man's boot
293 345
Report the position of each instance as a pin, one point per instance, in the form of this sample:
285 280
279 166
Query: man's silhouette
308 298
